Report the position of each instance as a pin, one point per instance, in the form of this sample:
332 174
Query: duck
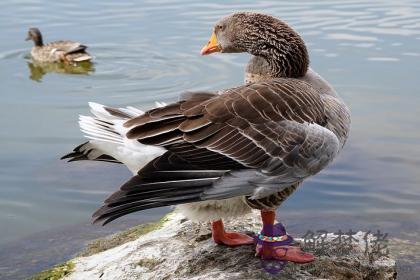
65 51
219 155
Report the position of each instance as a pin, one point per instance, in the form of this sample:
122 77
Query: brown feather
154 128
202 133
194 123
242 124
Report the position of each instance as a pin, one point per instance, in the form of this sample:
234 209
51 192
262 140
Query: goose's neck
258 69
284 57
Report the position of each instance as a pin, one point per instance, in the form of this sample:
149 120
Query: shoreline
39 251
142 253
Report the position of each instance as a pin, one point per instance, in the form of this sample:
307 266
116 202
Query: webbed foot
283 253
229 238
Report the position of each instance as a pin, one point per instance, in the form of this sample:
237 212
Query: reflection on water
39 69
149 50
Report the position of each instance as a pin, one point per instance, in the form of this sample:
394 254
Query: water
147 51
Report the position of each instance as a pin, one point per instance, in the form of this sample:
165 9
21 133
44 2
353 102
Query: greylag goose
58 51
220 154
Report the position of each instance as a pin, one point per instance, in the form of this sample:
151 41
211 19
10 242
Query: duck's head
264 36
35 35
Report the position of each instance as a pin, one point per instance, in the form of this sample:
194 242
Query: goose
218 155
59 51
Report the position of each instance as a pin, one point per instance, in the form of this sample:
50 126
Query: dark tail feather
153 188
82 153
156 194
107 214
107 218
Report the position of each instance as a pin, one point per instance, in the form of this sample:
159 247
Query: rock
180 249
55 273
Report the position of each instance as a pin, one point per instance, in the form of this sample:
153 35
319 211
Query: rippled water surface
147 51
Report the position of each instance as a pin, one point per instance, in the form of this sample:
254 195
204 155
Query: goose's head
35 35
264 36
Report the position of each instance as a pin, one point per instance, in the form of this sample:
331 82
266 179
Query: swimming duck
220 154
58 51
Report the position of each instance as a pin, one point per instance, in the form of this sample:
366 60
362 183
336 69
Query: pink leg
281 252
229 238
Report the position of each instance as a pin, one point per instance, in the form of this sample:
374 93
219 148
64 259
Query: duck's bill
212 46
28 38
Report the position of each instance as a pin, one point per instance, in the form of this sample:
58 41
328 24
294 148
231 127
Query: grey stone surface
181 249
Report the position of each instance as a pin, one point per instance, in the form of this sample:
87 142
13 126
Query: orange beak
212 46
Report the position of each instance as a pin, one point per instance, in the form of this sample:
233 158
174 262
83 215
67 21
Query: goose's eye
220 27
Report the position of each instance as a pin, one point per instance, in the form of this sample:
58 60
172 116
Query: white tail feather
108 136
99 111
160 104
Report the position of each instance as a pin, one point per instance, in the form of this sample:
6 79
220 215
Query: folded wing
251 140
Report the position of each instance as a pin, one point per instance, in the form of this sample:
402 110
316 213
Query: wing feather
258 138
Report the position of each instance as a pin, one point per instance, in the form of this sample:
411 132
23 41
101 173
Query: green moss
56 272
103 244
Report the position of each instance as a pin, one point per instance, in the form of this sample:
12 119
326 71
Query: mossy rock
56 272
106 243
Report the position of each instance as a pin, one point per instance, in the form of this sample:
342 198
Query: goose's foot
229 238
274 243
283 253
